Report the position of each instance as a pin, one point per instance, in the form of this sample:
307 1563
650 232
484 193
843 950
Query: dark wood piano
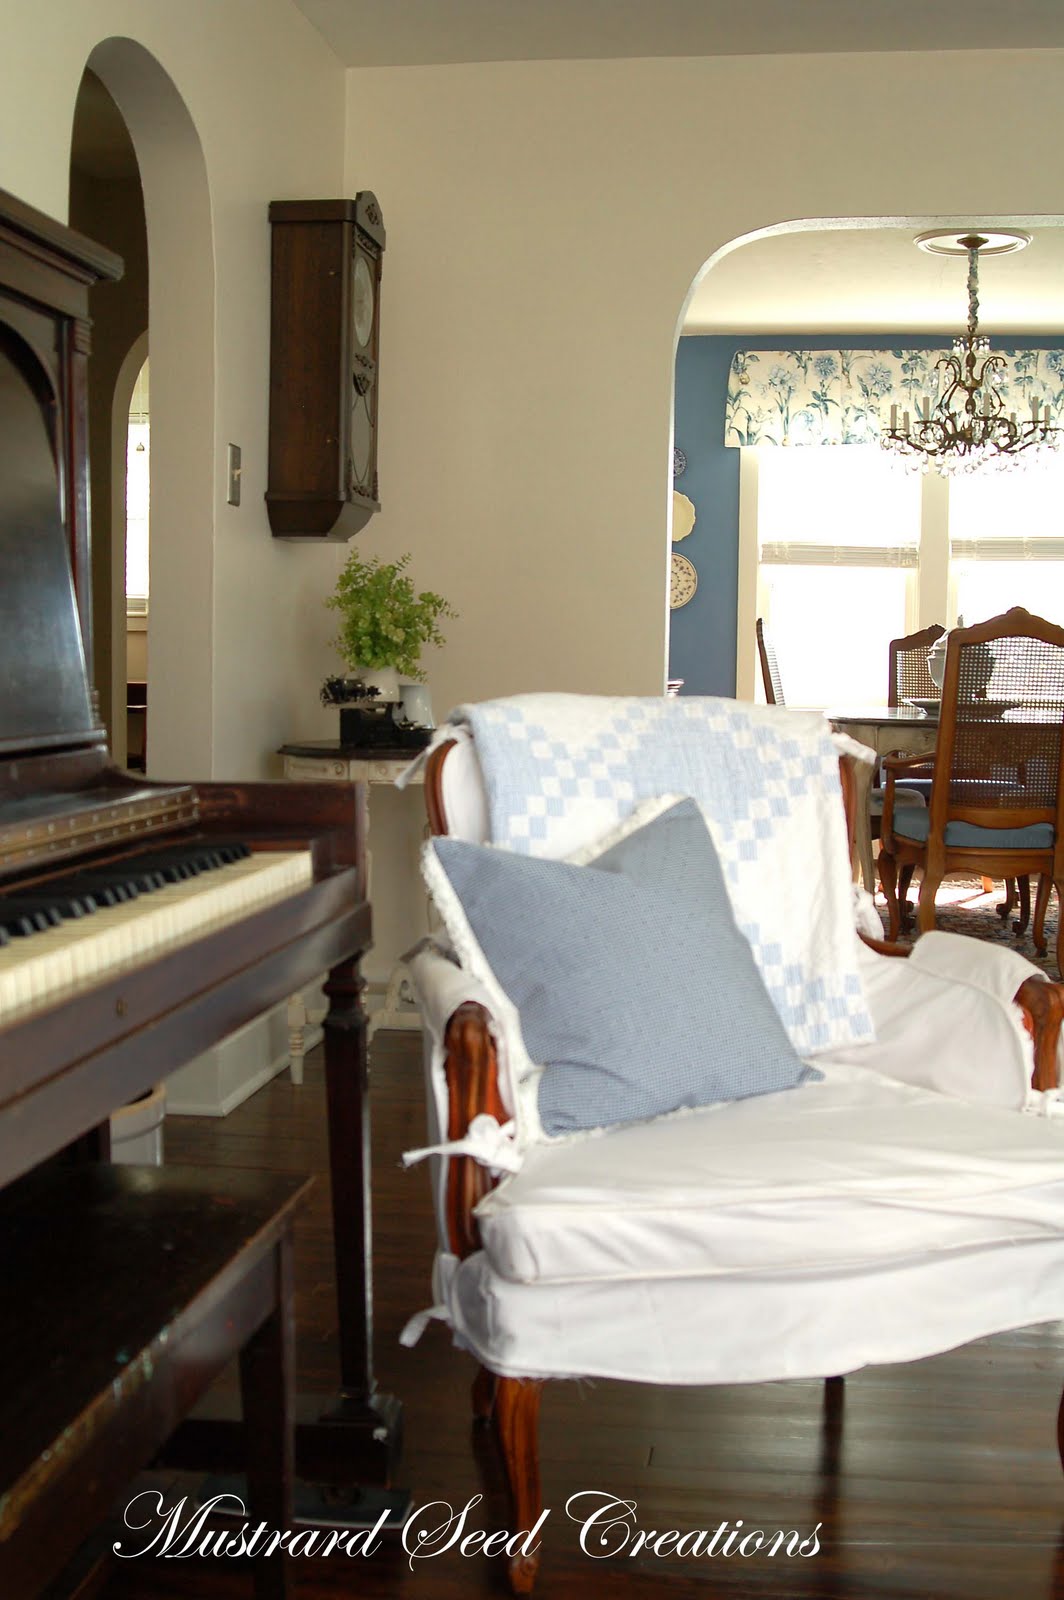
144 921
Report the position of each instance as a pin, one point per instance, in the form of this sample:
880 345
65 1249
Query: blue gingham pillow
634 988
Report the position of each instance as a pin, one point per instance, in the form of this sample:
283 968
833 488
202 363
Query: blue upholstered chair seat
913 823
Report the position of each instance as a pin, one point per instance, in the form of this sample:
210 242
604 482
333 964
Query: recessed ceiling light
994 242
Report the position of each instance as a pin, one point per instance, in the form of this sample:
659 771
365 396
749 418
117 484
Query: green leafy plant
383 622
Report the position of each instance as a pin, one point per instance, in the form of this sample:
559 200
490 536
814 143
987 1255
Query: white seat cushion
852 1172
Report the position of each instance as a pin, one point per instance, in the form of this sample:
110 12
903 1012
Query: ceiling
405 33
875 280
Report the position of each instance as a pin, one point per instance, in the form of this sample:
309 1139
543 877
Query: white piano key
35 970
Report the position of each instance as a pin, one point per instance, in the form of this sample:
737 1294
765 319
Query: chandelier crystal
968 427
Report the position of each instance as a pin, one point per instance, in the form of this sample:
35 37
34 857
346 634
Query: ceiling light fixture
968 426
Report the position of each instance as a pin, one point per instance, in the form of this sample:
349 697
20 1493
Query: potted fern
384 626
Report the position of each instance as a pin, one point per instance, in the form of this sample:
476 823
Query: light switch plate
233 492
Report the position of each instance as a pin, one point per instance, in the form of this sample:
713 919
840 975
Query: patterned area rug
962 907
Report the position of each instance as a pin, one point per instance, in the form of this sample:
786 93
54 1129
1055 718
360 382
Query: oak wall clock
324 366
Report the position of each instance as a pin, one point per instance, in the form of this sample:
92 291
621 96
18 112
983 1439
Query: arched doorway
179 299
818 287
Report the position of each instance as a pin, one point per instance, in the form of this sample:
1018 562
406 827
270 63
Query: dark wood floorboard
943 1482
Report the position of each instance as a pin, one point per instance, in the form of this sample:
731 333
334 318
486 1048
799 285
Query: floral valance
801 397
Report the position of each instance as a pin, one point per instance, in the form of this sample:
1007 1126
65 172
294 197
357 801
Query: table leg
297 1043
862 841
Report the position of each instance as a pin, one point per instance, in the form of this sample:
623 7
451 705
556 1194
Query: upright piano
141 922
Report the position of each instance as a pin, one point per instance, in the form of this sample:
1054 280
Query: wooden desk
337 763
886 730
129 1290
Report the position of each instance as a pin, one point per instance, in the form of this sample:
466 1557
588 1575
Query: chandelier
968 426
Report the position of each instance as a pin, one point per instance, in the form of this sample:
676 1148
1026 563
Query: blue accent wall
702 633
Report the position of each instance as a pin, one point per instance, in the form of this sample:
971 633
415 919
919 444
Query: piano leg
350 1442
361 1409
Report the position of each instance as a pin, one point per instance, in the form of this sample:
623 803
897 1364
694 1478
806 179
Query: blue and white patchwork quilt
562 769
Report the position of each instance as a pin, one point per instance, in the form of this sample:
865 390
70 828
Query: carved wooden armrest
903 764
1042 1005
472 1071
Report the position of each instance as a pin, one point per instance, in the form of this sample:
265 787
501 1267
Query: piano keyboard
38 966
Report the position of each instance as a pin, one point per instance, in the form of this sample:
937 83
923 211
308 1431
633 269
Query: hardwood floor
940 1478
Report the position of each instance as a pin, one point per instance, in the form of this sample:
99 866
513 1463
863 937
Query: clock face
362 302
684 581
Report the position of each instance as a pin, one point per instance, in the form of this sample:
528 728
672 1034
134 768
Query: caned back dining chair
908 678
995 805
770 667
908 675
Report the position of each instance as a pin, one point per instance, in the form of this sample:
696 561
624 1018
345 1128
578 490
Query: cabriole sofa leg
517 1421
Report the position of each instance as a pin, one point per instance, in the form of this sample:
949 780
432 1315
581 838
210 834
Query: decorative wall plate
683 516
684 581
679 462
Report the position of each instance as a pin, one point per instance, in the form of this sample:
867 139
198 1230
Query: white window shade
842 507
1016 515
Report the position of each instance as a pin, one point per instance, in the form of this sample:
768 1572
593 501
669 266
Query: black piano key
67 905
109 888
80 893
21 920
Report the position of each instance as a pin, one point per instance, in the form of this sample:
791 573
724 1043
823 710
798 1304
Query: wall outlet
233 492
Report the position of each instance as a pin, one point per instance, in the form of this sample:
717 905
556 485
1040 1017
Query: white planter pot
384 679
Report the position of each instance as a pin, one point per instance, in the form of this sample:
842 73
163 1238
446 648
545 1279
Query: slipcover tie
485 1140
443 1273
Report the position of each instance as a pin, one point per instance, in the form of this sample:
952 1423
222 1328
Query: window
852 551
1006 537
138 495
838 535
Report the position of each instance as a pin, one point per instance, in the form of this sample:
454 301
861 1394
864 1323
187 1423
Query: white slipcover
901 1207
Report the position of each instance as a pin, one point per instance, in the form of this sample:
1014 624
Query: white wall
545 222
238 634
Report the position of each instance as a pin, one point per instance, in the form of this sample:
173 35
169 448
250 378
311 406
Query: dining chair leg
925 911
1021 888
1024 886
1041 906
905 878
888 877
1009 901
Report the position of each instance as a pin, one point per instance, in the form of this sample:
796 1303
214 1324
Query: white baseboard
228 1074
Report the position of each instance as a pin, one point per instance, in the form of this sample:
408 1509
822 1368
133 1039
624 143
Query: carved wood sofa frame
471 1069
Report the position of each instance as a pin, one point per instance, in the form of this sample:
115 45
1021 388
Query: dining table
888 730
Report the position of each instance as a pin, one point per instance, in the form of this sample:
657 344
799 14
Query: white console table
312 762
